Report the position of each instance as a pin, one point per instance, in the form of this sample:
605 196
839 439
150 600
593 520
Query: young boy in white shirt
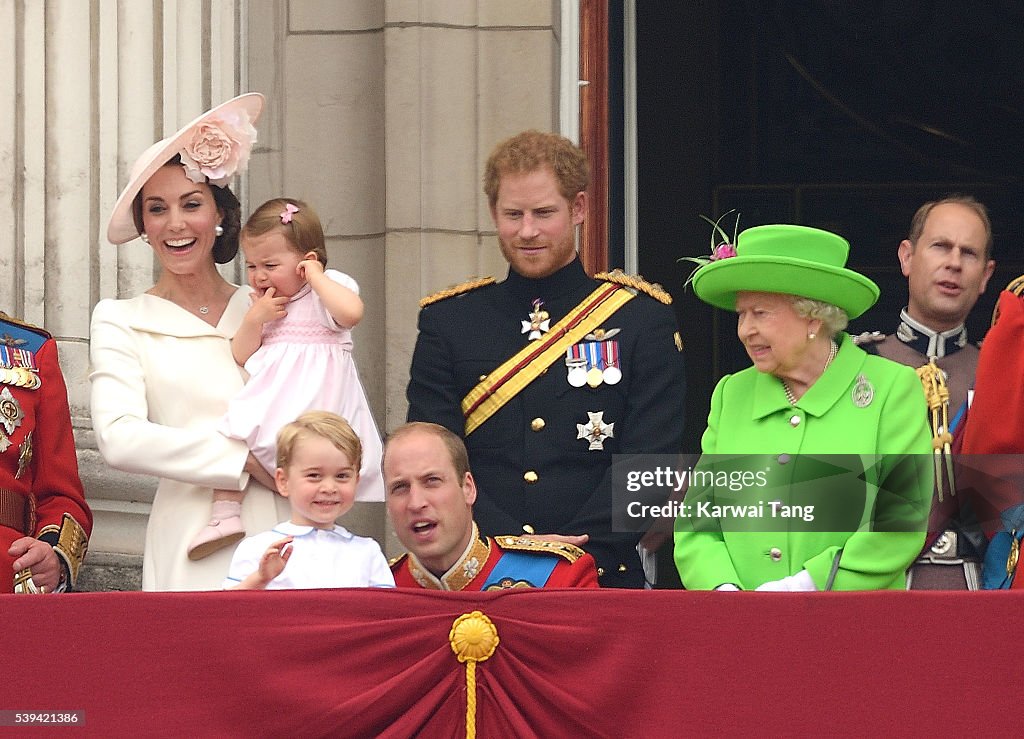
318 458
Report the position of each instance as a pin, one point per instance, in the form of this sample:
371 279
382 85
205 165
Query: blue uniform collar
930 343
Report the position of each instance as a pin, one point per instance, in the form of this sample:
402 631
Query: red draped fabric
365 663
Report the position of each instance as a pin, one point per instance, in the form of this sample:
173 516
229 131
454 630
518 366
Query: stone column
460 76
85 87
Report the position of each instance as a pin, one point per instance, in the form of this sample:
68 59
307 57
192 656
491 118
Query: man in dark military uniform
44 519
549 373
946 259
430 495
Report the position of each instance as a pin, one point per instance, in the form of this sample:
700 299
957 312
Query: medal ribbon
610 350
11 357
504 383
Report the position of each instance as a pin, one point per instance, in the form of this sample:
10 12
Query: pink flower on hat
218 148
723 251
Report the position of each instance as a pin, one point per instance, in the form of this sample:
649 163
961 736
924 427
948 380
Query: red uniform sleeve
63 518
579 574
988 463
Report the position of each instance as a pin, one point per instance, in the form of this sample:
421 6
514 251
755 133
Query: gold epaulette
395 560
570 552
460 289
636 282
28 326
1016 287
868 337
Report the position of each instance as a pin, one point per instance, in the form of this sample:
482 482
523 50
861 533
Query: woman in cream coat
162 370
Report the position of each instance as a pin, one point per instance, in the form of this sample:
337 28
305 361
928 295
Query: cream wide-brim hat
121 227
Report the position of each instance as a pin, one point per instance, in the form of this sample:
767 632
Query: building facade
380 113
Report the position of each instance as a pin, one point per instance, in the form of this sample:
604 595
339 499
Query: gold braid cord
1016 287
473 639
937 394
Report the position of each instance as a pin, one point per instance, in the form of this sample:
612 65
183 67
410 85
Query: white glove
801 582
726 587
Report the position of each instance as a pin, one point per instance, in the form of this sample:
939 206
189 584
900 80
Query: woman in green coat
772 506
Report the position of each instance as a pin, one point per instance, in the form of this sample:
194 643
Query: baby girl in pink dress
296 345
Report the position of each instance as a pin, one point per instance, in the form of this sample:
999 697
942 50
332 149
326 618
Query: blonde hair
303 232
321 424
532 150
833 318
455 446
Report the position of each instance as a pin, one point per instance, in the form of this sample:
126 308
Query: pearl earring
144 237
812 336
218 230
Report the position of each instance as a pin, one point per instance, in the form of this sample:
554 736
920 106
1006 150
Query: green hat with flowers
781 258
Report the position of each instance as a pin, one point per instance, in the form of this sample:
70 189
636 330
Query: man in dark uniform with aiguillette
946 259
550 372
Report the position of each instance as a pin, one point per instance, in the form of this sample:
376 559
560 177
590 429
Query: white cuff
801 582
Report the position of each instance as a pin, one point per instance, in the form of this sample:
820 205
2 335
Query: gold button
775 553
600 571
794 421
622 568
530 476
537 424
528 529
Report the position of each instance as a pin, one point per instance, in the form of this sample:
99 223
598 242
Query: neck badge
539 323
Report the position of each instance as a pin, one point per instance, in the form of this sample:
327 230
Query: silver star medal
595 430
10 411
539 323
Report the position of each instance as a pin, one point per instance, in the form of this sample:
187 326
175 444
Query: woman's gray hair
833 318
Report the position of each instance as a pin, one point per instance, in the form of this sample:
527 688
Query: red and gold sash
505 382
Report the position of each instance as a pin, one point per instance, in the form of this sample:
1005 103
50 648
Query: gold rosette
473 638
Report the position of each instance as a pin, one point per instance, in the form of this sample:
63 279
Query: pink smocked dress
305 363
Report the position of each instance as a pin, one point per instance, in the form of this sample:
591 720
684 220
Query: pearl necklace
790 397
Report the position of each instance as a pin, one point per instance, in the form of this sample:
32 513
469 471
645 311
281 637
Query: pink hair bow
286 214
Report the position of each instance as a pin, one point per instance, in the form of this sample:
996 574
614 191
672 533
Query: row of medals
578 374
19 377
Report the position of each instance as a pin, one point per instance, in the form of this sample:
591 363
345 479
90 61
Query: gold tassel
933 381
473 638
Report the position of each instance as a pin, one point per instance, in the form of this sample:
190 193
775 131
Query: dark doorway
846 116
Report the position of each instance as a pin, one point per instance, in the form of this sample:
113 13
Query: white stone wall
380 114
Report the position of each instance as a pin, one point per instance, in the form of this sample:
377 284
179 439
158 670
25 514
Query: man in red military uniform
430 495
44 519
